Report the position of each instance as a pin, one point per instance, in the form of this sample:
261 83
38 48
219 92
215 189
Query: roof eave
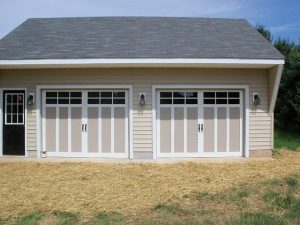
139 63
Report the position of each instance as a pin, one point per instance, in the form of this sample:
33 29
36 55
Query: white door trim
40 88
1 117
245 88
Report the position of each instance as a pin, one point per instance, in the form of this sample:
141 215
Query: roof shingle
135 37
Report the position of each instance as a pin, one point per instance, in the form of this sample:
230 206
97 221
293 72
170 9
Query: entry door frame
1 117
246 111
39 107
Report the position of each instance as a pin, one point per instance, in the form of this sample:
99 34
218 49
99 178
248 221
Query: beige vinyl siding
142 81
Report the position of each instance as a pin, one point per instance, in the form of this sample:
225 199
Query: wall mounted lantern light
142 98
256 98
30 98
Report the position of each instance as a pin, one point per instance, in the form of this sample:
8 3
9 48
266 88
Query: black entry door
14 122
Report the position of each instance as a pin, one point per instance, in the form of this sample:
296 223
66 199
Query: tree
264 32
287 109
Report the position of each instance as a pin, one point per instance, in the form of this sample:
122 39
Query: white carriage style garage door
193 123
85 123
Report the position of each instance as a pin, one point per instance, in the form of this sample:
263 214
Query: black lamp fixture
142 98
30 98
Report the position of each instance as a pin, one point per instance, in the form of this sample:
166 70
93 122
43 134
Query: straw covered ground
142 191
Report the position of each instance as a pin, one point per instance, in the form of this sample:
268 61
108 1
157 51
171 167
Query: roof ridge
139 17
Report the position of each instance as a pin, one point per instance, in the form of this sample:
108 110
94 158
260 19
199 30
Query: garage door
193 123
91 123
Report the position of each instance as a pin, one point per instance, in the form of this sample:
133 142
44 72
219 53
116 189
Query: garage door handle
85 126
82 128
200 127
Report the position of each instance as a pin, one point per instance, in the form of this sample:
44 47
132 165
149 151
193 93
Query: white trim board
39 89
277 72
142 62
245 132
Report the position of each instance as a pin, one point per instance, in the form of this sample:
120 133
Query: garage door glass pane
75 101
221 94
93 101
119 101
51 94
51 101
209 94
165 101
191 101
106 94
221 101
233 101
106 101
166 94
178 101
178 94
63 94
93 94
209 101
119 94
75 94
233 94
191 94
63 101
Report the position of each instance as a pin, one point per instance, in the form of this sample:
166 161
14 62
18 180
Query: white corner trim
247 122
278 74
134 62
154 131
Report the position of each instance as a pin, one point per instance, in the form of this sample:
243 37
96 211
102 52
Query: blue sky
282 17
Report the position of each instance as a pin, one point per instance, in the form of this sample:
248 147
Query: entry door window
14 109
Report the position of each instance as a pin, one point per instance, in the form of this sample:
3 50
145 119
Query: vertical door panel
92 130
179 129
50 129
76 129
208 116
192 129
165 130
221 129
119 130
234 141
63 129
106 130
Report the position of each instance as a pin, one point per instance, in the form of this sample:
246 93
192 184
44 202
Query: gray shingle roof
135 37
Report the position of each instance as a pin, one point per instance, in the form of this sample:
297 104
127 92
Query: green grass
280 199
169 208
66 218
287 139
258 219
233 194
291 181
32 219
104 218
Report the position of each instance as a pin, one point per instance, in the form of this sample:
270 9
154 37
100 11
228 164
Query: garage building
137 88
